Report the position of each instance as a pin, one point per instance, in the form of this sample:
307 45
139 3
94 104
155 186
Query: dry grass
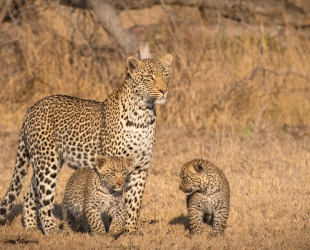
230 96
269 179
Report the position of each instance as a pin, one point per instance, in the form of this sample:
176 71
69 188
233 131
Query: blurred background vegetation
238 65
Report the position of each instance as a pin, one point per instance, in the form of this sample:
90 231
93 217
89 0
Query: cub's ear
199 169
166 60
133 65
101 161
130 160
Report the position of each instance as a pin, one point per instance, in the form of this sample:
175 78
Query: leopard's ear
166 60
129 160
133 65
101 161
199 168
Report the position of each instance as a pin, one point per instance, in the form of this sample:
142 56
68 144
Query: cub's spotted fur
90 192
208 195
62 129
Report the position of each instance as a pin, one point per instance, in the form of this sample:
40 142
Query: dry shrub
217 80
49 50
239 81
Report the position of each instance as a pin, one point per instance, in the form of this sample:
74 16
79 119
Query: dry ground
269 179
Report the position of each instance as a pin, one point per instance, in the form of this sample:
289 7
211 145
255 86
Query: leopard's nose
189 190
163 91
120 182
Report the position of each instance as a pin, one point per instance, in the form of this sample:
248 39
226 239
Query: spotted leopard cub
90 192
208 196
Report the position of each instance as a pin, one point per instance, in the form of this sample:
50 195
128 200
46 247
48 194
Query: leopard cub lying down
208 196
90 192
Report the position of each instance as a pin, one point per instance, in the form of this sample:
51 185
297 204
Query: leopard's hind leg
31 203
69 221
46 165
20 171
219 221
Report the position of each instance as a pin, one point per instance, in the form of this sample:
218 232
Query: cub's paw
134 232
53 232
32 229
216 233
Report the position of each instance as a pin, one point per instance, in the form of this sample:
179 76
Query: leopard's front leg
134 190
93 215
195 214
195 217
118 215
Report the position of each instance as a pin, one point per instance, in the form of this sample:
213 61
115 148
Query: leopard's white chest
139 142
139 135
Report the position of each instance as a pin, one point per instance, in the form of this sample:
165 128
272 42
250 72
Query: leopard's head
113 170
193 177
150 78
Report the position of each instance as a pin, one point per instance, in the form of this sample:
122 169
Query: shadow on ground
181 220
16 211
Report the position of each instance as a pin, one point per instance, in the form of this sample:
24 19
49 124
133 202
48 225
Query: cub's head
193 177
150 78
113 170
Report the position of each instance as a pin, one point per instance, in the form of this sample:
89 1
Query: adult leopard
62 129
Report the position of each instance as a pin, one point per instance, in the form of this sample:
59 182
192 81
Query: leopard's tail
20 171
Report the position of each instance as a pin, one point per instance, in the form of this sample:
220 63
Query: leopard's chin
161 101
189 193
118 189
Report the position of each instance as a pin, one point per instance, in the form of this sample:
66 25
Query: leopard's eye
149 77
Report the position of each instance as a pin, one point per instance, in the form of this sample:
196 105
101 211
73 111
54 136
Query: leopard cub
90 192
208 196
